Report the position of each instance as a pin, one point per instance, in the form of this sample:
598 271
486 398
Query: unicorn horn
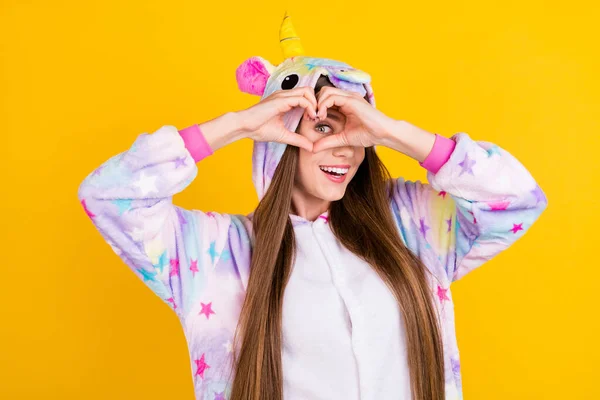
288 39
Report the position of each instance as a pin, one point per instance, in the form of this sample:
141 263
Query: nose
343 152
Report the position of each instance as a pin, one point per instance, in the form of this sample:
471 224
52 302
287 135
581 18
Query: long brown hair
362 221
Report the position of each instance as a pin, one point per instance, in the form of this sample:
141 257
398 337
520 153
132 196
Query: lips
335 173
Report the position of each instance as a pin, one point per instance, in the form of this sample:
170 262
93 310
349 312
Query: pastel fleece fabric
479 202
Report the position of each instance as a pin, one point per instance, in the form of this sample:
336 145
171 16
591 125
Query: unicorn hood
258 76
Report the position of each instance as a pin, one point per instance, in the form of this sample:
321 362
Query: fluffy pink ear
252 75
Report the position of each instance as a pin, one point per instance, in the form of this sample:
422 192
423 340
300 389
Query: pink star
498 205
206 310
88 212
174 267
324 217
210 214
97 170
441 293
194 267
172 301
474 219
443 194
202 366
219 396
517 227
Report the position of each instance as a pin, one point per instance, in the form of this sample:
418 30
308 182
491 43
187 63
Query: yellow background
79 81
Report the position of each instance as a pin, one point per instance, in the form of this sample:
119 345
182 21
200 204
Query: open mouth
335 171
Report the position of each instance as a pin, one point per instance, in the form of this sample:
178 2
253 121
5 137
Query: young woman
337 286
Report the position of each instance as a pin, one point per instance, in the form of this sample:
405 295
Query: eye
323 126
290 82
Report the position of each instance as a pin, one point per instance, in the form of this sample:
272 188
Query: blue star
225 255
123 204
310 66
212 251
162 261
493 150
147 275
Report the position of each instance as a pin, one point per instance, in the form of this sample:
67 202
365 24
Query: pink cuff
195 142
439 154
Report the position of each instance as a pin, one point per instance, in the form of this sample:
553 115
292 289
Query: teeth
339 171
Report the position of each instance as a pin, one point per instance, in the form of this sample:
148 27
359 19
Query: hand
365 125
263 122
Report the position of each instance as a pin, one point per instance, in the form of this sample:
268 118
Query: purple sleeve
479 201
129 200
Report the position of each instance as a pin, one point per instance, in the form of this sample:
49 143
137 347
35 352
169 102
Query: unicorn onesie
343 335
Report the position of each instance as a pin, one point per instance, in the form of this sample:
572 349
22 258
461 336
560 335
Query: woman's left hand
365 125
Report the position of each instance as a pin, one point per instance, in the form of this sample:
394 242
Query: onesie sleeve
479 201
129 200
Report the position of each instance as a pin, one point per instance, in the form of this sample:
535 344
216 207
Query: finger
287 103
297 140
330 142
304 91
331 101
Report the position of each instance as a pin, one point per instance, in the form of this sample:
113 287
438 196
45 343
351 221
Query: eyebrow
334 117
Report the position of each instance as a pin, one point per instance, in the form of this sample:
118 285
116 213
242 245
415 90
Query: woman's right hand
263 122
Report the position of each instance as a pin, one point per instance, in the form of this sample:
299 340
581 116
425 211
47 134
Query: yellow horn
288 39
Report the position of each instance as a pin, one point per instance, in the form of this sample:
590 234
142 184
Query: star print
212 251
206 310
194 267
228 346
98 170
181 216
88 212
441 293
493 150
122 204
517 227
498 205
147 184
202 366
474 219
466 165
539 195
225 255
172 301
210 214
455 365
147 275
162 261
449 221
443 194
424 228
180 161
174 267
219 396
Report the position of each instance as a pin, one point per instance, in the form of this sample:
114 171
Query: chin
332 195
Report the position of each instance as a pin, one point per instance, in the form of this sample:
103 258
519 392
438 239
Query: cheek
359 153
305 175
